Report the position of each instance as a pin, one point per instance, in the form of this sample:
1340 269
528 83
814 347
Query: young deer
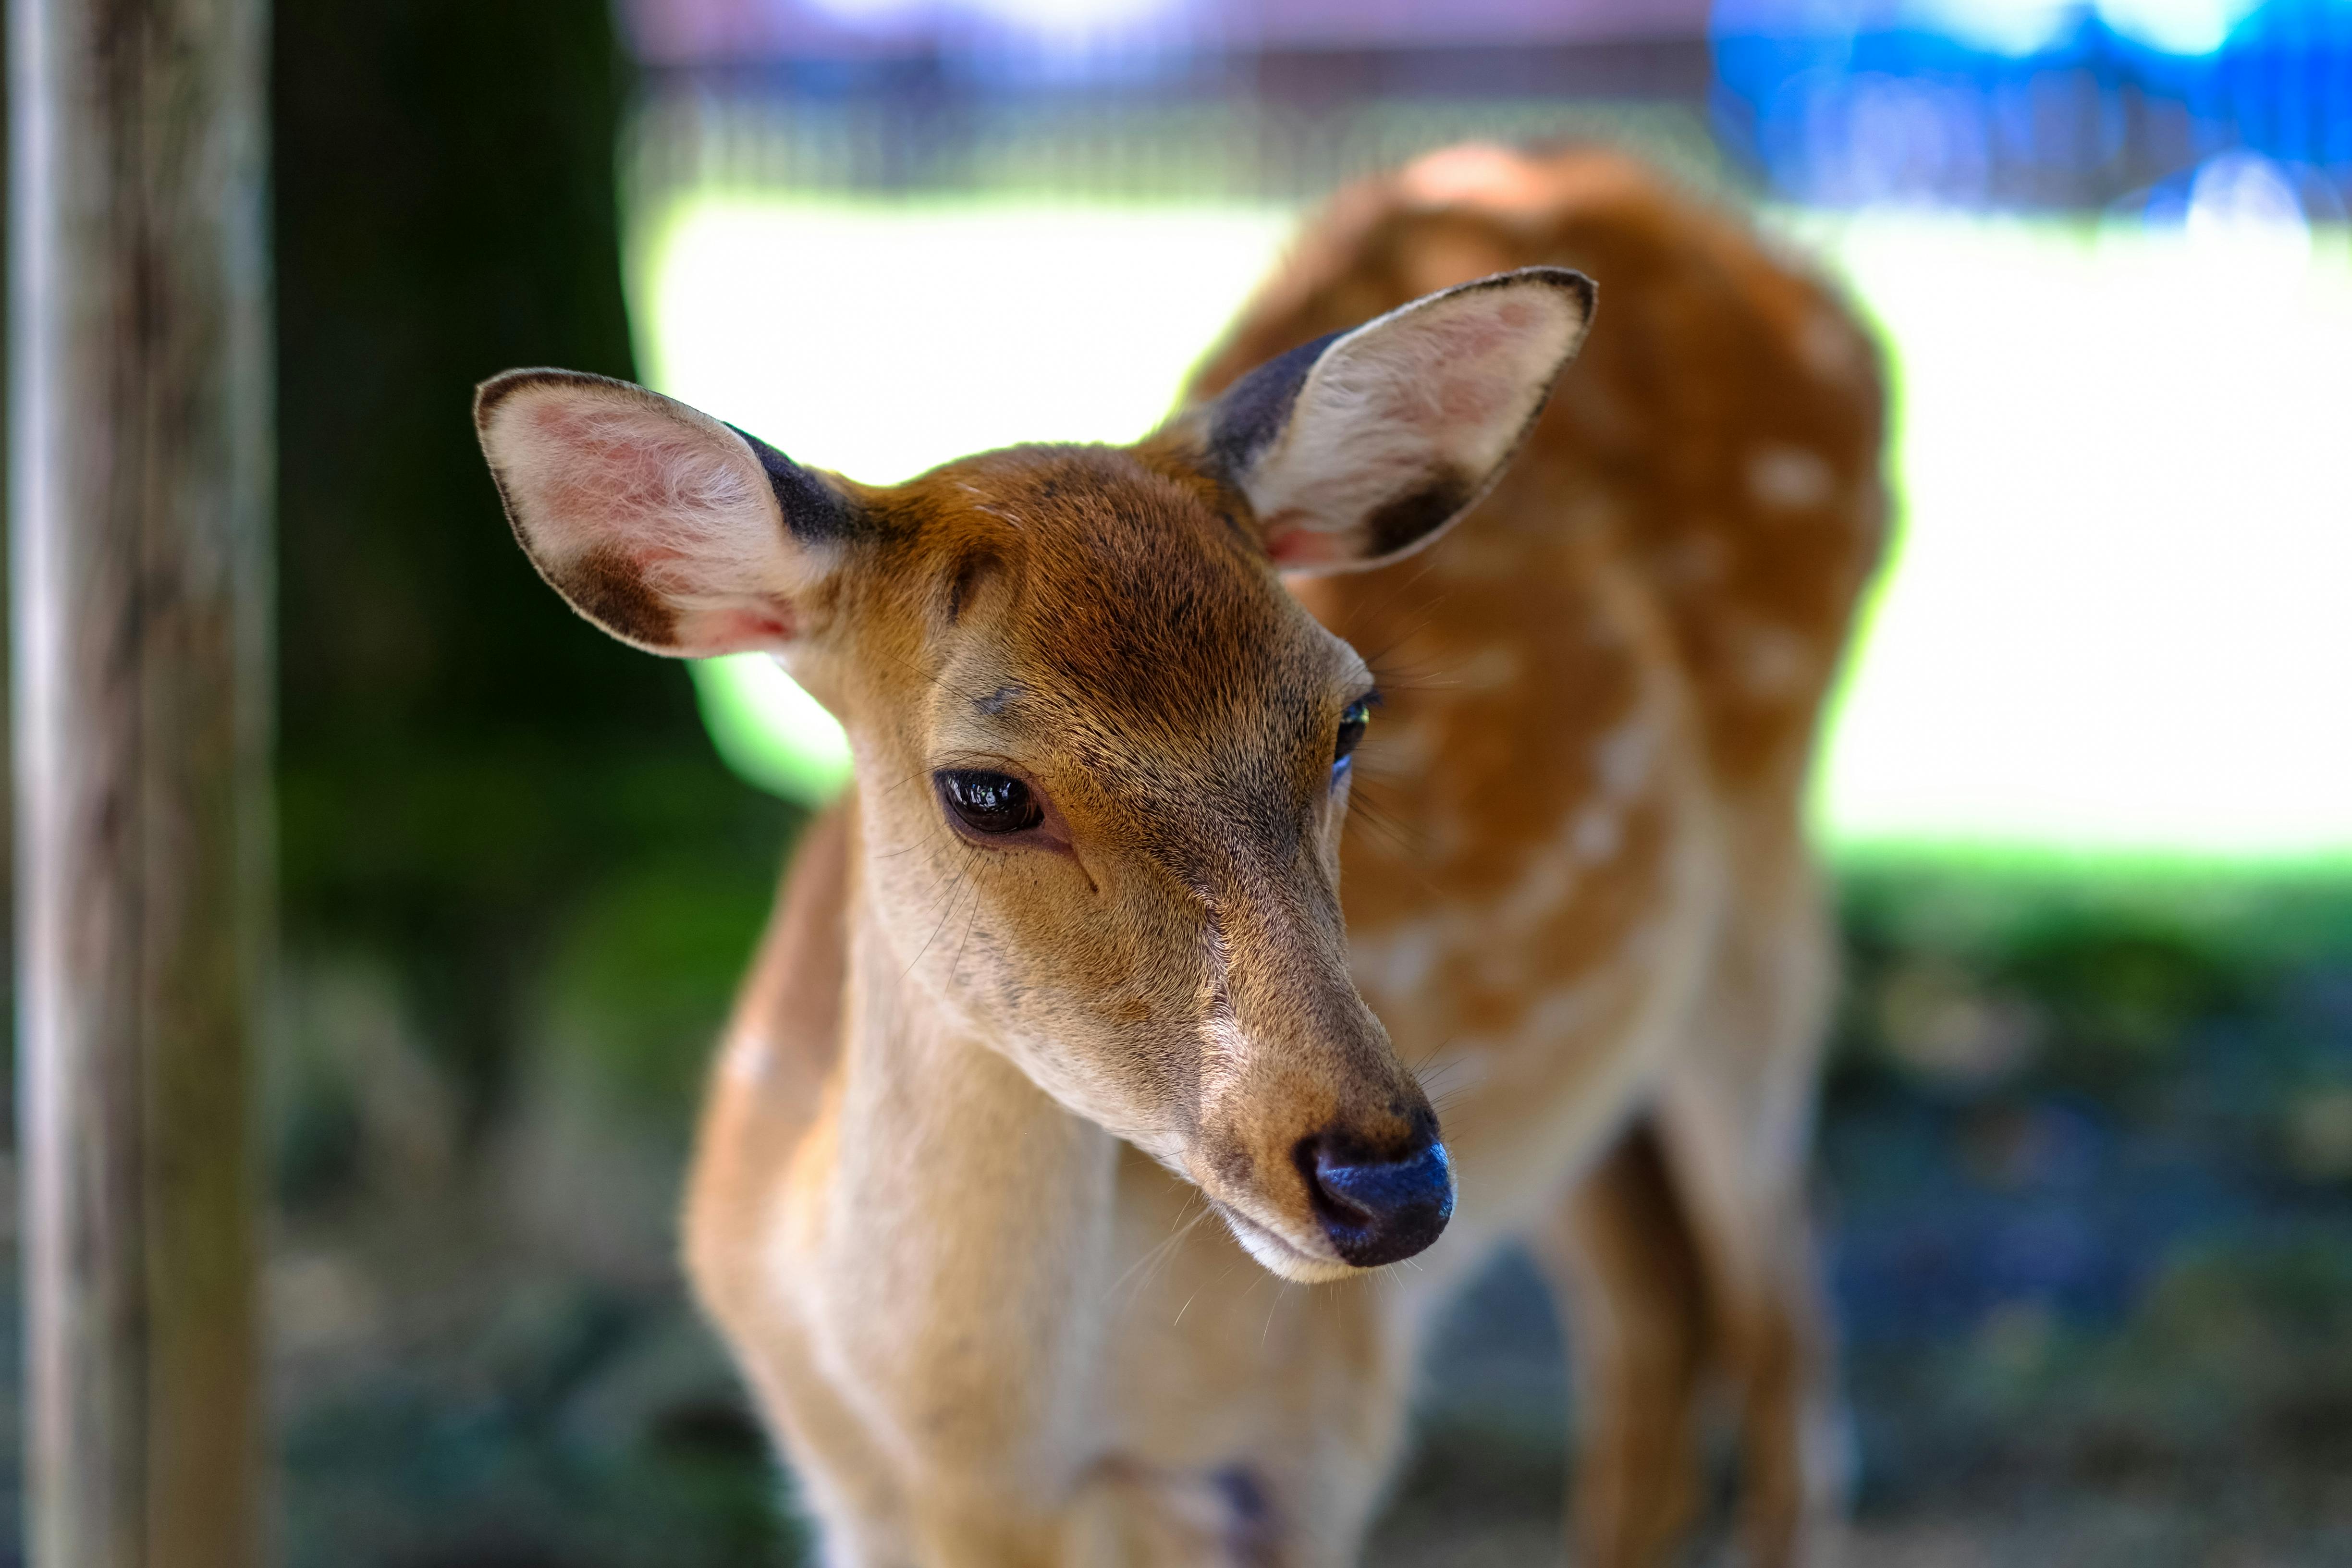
1066 975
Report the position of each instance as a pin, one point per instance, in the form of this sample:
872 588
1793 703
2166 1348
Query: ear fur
673 532
1364 445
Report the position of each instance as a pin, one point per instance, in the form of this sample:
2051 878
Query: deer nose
1377 1209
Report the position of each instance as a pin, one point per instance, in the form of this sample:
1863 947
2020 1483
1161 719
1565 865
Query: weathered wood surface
139 530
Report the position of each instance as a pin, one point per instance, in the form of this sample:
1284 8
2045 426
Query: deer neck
971 1216
940 1117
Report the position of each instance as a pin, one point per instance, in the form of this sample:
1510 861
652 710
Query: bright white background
2117 617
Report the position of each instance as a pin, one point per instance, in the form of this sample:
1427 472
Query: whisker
1164 1254
969 919
945 910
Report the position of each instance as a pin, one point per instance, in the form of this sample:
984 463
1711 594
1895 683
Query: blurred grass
2087 1149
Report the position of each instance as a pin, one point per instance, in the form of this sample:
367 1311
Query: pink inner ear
653 520
1298 548
706 633
1472 394
633 474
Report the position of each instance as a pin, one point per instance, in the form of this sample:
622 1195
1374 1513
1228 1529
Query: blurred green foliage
636 967
470 777
501 833
1967 978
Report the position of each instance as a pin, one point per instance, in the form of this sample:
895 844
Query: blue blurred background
2086 1166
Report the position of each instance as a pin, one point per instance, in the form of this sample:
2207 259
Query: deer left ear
674 532
1362 447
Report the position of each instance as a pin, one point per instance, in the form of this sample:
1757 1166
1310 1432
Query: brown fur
988 1326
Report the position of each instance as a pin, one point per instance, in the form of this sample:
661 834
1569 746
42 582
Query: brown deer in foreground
1057 1027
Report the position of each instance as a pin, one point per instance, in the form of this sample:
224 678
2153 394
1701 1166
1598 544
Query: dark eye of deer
1353 721
988 803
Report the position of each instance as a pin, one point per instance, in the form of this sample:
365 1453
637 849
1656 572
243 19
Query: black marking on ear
610 590
1567 280
814 511
505 385
1414 516
1253 410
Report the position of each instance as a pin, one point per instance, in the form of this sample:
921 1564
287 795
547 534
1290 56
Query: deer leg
1735 1120
1772 1330
1622 1263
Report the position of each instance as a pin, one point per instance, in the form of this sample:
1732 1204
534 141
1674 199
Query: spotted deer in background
1056 1027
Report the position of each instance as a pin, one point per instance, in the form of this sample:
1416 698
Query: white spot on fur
1564 1010
1403 748
1648 944
1598 834
1401 960
1625 756
1789 479
1477 173
1494 667
1830 349
1544 885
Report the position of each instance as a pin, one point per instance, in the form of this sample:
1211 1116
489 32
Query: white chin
1278 1257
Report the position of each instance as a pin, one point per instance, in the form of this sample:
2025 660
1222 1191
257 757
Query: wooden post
138 531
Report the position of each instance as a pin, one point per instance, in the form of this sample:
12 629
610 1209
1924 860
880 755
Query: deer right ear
671 531
1363 447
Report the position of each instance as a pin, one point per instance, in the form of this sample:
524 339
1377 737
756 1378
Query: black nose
1377 1209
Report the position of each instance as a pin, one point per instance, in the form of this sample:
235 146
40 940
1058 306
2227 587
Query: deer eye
1354 720
988 802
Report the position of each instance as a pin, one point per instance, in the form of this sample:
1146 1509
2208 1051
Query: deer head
1102 755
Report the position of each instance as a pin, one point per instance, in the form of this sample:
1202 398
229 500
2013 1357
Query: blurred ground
2086 1171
